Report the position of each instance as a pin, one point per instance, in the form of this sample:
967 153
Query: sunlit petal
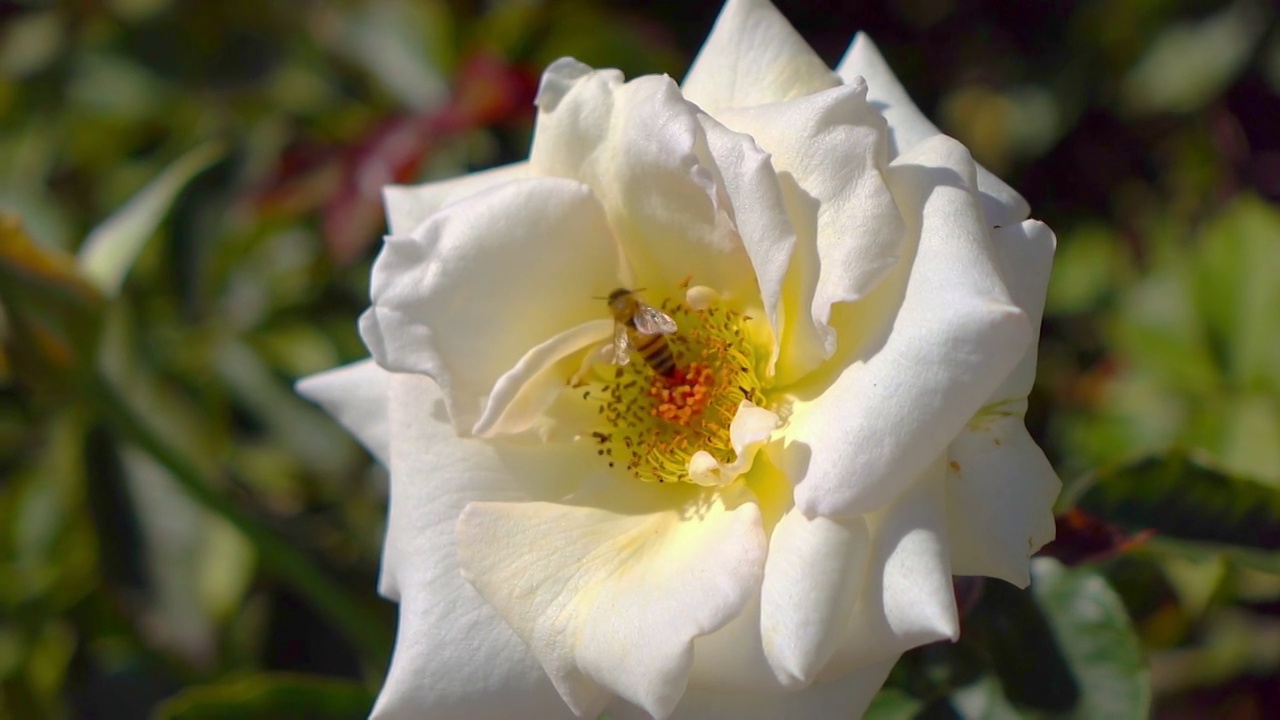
1000 494
754 56
409 205
481 283
837 699
609 594
955 337
356 396
454 656
813 577
909 127
641 148
1025 254
906 599
833 146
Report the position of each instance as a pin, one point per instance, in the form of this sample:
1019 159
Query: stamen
658 422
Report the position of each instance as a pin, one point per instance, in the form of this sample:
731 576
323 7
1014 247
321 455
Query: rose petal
812 578
482 282
1025 253
906 598
754 56
610 594
762 217
642 150
909 127
838 699
477 669
1001 488
732 660
356 396
844 697
409 205
903 599
522 395
956 336
748 431
455 658
833 144
1000 495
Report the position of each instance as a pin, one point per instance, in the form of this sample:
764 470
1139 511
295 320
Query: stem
362 627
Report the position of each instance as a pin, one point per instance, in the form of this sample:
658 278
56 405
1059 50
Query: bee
642 328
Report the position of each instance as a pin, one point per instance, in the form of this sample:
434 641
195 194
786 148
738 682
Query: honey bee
642 328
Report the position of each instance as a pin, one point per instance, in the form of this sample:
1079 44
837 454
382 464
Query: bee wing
621 345
652 321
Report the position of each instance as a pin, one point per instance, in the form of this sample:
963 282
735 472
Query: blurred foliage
189 208
280 696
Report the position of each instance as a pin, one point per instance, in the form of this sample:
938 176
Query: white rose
762 531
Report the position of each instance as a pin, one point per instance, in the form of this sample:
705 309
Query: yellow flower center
654 422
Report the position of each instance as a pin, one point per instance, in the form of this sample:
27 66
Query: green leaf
892 704
1245 436
1096 639
1087 268
1162 331
1235 273
1023 650
604 38
30 42
1190 64
50 317
541 32
279 696
1261 560
357 615
199 566
395 42
984 700
112 247
1066 649
1182 500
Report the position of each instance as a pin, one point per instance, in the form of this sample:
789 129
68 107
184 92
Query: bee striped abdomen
656 353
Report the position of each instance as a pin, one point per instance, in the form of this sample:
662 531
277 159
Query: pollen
653 423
